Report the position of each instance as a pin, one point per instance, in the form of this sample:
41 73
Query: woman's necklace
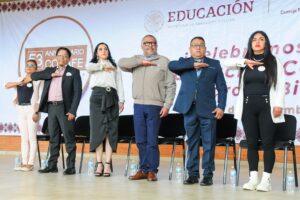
258 60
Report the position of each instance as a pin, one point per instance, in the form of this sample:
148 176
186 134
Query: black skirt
104 117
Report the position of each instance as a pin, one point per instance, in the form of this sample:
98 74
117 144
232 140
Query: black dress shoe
49 170
70 171
191 180
206 181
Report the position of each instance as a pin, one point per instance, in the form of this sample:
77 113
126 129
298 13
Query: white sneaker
253 181
265 184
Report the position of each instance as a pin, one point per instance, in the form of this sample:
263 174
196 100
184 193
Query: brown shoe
138 176
152 176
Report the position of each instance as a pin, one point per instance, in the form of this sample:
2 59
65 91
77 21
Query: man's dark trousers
146 127
58 123
199 128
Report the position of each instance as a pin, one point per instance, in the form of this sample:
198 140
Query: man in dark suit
60 99
200 76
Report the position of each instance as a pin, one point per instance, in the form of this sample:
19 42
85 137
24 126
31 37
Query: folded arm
128 64
181 65
10 85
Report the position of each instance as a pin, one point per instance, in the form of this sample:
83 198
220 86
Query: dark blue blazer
71 88
202 88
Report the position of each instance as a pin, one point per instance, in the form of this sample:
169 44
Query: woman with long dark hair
260 105
106 102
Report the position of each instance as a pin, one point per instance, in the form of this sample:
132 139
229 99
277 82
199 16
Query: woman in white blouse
260 105
106 102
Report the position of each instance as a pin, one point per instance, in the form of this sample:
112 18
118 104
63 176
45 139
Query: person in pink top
60 99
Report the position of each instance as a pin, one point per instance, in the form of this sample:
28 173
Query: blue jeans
146 127
197 129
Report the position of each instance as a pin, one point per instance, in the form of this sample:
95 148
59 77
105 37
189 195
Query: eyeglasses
63 55
31 65
198 45
148 44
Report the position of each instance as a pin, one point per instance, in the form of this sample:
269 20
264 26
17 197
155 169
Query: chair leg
238 166
48 152
111 166
172 161
200 160
62 155
183 155
128 158
284 169
39 153
185 163
225 164
234 154
81 158
295 167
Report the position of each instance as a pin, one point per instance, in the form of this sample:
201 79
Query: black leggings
258 124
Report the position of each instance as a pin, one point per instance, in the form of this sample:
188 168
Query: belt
256 96
55 103
106 89
24 104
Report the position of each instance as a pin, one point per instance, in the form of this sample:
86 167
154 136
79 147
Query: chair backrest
172 126
126 127
286 131
45 127
226 127
82 126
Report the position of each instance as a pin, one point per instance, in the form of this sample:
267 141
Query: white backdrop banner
34 29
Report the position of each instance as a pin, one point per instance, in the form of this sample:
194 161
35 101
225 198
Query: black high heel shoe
107 174
96 173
